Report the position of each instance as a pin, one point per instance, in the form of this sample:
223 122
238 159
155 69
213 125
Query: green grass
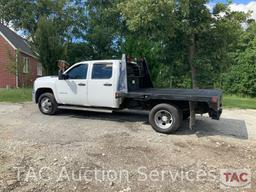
233 101
15 95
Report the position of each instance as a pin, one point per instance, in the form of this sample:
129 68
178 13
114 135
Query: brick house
19 67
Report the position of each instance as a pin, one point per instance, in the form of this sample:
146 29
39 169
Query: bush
241 79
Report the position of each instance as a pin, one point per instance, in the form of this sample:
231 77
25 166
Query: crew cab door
101 85
74 89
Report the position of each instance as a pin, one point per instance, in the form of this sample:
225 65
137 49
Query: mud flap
192 119
215 114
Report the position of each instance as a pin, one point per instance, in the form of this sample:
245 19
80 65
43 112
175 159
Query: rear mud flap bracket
192 119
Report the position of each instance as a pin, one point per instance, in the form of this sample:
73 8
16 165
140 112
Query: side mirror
62 76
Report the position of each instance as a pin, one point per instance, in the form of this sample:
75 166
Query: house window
25 65
39 69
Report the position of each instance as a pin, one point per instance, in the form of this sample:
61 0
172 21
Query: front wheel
47 104
165 118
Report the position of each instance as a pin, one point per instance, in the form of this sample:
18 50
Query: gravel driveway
86 151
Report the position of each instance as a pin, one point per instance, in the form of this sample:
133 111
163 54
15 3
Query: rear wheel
47 104
165 118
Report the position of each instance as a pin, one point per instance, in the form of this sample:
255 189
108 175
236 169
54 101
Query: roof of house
15 40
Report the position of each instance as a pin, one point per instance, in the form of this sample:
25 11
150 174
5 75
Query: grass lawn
232 101
15 95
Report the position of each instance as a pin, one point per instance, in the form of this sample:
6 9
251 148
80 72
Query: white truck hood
47 81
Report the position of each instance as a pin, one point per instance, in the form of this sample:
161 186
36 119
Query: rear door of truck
101 84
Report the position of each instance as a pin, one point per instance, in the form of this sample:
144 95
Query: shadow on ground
224 127
204 125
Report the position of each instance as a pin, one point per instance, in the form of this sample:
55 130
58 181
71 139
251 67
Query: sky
238 5
234 1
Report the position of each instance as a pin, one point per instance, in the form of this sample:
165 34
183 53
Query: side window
78 72
102 71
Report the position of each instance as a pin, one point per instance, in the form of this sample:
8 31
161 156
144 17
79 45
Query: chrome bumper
33 96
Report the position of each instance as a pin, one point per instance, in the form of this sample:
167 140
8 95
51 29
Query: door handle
107 84
81 84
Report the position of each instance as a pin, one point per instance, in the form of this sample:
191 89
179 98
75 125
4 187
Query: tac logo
235 178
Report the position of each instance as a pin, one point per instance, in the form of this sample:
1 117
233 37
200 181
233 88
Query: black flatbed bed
200 95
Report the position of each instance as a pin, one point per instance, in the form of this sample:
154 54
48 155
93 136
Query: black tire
172 125
54 106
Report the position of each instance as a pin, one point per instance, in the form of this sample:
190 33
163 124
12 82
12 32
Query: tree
79 51
187 30
185 43
165 19
49 25
241 78
49 45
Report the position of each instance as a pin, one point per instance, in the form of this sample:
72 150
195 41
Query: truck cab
87 83
84 83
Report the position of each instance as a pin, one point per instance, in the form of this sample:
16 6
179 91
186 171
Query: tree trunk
191 56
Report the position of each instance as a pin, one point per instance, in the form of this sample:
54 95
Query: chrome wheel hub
46 105
163 119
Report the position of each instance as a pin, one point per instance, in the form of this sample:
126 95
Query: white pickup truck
112 85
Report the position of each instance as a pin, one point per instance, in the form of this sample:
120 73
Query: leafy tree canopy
185 43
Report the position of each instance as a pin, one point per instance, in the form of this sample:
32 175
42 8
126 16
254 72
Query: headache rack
138 76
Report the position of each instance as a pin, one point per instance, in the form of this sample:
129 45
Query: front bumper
33 96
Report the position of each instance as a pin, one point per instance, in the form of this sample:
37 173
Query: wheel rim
46 105
163 119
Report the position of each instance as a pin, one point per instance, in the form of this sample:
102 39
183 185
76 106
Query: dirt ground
86 151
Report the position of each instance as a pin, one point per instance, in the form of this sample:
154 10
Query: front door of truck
74 89
101 85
